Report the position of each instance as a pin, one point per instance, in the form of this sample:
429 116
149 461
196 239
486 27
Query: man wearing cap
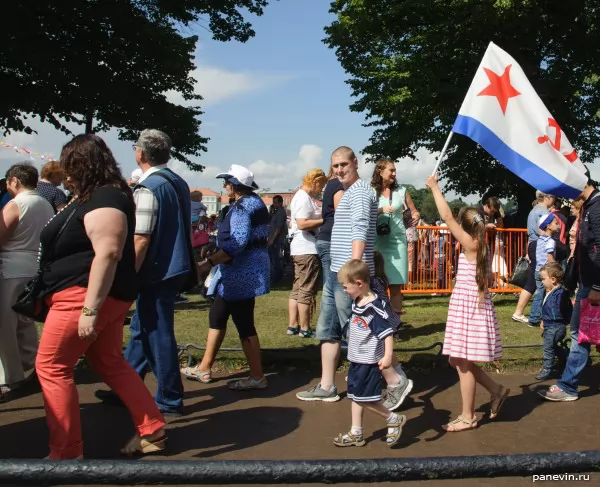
163 261
587 260
242 262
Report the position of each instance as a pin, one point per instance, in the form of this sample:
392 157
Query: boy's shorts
365 382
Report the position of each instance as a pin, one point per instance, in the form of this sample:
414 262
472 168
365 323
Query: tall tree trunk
89 122
525 196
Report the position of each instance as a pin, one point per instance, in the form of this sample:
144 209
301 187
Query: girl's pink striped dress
472 328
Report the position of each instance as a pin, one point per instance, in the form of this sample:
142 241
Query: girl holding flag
472 333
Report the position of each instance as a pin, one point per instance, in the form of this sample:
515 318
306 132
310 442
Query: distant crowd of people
111 242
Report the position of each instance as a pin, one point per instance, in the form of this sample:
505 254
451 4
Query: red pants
60 348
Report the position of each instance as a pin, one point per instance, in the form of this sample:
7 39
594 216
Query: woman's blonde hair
473 223
313 177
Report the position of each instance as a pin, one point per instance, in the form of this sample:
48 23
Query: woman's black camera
383 229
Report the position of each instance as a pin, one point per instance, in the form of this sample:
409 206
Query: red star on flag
500 87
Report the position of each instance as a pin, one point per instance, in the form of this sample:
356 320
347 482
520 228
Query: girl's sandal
193 373
496 402
451 427
392 438
141 446
307 333
348 439
293 331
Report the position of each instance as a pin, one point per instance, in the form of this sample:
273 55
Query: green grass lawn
426 316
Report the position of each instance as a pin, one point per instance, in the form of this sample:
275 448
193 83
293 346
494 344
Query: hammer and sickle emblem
557 143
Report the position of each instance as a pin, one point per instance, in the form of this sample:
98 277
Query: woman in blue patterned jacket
243 274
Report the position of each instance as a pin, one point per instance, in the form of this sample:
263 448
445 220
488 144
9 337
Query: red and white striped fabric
472 330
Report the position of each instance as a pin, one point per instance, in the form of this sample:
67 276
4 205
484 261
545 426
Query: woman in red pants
88 261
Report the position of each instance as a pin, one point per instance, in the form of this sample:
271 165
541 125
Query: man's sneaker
545 374
249 383
318 394
397 395
556 394
533 325
520 318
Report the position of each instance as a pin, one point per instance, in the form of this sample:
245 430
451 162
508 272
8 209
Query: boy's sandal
291 331
192 373
348 439
392 438
452 428
496 403
141 446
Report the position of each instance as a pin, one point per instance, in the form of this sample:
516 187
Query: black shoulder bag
192 277
29 303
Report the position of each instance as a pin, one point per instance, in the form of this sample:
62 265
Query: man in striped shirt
352 237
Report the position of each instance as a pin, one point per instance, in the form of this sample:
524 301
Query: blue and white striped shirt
545 245
355 219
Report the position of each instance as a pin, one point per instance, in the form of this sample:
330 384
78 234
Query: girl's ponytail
481 275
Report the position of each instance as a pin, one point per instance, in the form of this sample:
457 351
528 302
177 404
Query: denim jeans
552 335
323 249
579 353
535 314
275 258
336 307
152 343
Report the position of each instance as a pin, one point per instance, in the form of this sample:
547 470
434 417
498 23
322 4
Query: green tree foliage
424 202
411 63
109 63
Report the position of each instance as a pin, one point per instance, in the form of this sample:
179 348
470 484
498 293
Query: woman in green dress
391 233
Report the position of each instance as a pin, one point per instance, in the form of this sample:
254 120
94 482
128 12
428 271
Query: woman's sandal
193 373
392 438
348 439
496 403
293 331
142 446
307 333
451 426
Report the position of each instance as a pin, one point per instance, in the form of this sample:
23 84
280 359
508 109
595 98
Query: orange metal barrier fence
433 259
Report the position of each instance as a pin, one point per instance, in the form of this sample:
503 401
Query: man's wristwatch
85 311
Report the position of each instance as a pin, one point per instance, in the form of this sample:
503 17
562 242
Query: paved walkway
272 424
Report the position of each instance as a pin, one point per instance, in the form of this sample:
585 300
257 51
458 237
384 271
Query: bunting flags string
31 154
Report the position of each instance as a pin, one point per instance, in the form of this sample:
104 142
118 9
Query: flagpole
442 154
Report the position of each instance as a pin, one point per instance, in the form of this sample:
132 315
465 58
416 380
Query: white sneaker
520 318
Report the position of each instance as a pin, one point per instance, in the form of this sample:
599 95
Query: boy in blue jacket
556 315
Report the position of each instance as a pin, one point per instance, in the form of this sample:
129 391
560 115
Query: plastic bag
520 273
589 323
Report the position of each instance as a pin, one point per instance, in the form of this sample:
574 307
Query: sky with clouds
277 104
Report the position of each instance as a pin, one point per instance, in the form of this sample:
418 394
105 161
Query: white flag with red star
503 113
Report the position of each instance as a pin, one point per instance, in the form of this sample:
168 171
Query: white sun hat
136 175
239 176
